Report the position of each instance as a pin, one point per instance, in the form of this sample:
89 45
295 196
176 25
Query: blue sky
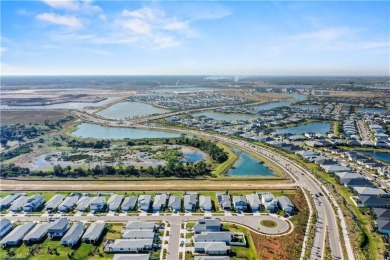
71 37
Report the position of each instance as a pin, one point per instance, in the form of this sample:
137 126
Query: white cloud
137 26
85 6
70 21
327 34
2 49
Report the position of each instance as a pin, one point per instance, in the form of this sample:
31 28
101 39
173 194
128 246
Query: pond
124 110
317 127
247 165
273 105
373 110
86 130
383 156
226 116
67 105
193 155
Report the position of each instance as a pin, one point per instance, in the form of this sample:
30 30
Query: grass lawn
222 168
268 223
240 252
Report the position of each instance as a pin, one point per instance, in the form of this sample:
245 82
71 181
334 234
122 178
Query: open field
146 185
11 117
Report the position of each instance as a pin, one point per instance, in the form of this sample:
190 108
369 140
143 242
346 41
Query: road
363 131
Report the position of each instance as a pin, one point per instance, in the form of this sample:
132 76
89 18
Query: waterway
373 110
125 110
383 156
247 165
316 127
86 130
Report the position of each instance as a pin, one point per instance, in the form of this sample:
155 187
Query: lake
383 156
193 156
247 165
124 110
373 110
273 105
317 127
86 130
226 116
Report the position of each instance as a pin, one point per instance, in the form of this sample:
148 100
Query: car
182 243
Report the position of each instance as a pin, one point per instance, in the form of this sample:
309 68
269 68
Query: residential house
254 201
37 234
34 203
335 168
83 203
14 238
140 225
368 191
54 202
211 248
383 226
207 225
58 228
128 245
68 204
144 202
97 204
114 202
205 203
6 202
131 257
129 203
226 237
138 234
17 205
381 213
357 182
5 226
269 201
207 257
374 201
348 175
174 203
160 201
224 201
285 204
240 203
94 232
190 200
74 234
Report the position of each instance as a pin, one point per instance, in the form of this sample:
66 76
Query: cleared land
12 117
145 185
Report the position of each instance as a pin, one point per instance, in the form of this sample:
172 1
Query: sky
72 37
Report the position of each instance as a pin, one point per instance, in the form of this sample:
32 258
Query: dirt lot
9 117
143 185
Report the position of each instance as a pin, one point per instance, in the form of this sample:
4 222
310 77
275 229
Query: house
240 203
160 201
14 238
269 201
6 202
190 200
114 202
211 248
129 203
5 226
207 257
174 203
140 225
381 213
131 257
368 191
128 245
68 204
54 202
374 201
224 201
94 232
58 228
138 234
285 204
144 202
73 236
335 168
361 182
226 237
383 226
207 225
37 234
97 204
34 203
17 205
205 203
254 201
83 203
348 175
